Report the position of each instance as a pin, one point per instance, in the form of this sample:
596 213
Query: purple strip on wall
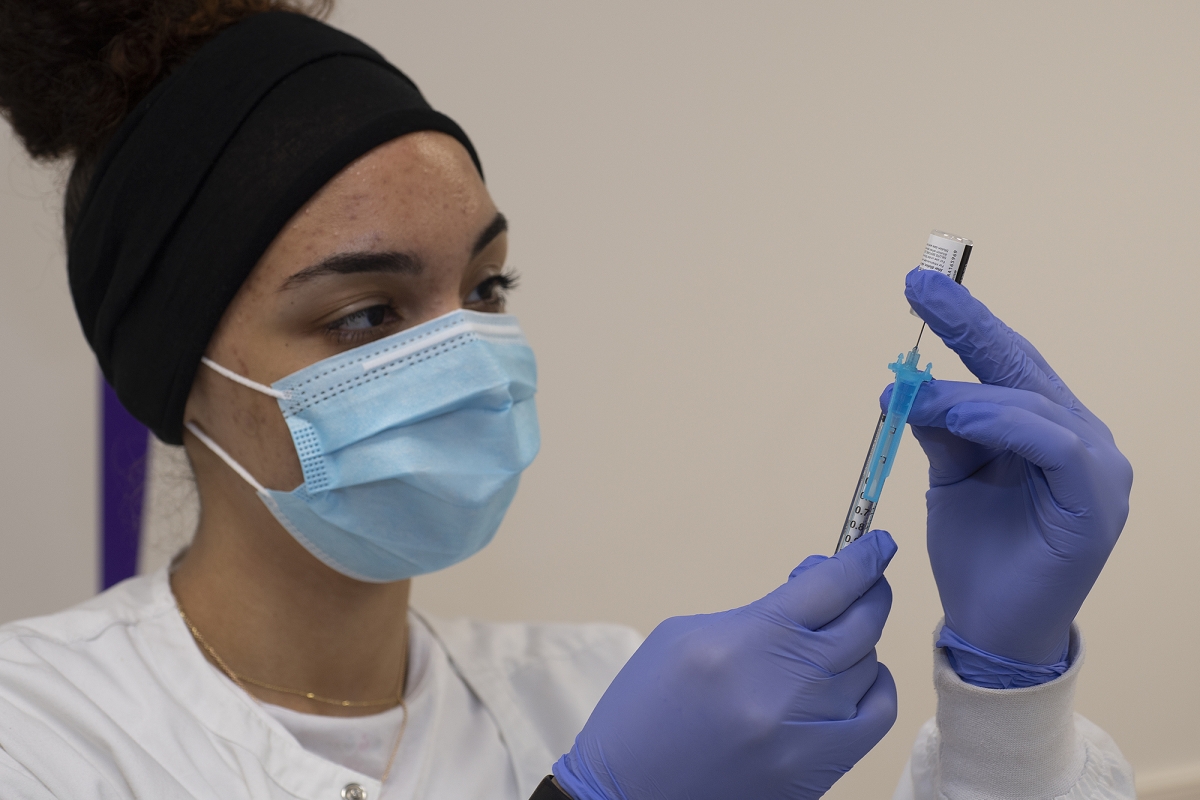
123 478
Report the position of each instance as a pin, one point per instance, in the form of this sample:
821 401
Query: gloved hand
1027 490
776 699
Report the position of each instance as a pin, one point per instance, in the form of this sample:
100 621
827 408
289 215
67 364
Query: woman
288 262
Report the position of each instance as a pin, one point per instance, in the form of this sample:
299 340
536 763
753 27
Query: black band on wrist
548 790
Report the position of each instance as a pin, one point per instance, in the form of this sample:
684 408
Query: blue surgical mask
411 446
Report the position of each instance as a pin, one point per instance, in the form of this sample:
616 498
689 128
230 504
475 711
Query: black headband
204 173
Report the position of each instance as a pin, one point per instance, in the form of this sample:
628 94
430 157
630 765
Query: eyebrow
350 263
390 261
497 226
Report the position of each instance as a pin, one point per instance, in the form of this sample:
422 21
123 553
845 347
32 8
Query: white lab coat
988 744
112 699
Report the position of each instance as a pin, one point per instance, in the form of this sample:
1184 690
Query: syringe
884 445
947 254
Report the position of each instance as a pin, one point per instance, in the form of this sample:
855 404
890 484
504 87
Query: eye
362 324
361 320
492 291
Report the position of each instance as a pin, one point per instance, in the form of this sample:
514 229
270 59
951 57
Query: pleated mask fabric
200 178
412 446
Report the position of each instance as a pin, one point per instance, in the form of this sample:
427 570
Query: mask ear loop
216 448
233 376
228 459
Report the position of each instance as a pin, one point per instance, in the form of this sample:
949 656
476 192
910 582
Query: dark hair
71 70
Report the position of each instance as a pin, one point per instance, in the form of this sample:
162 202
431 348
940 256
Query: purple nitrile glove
776 699
1027 489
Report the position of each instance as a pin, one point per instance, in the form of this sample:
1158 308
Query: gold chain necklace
241 681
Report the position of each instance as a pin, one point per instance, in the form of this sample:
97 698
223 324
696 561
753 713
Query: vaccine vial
947 254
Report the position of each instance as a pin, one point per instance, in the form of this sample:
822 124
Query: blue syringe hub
908 380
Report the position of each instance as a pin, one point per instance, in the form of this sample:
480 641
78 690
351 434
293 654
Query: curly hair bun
70 70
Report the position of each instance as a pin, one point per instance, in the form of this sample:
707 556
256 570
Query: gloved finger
846 640
1033 353
988 347
950 458
824 591
935 400
875 717
1038 359
834 697
807 563
1063 457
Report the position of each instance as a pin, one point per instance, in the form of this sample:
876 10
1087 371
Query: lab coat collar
472 657
234 716
230 713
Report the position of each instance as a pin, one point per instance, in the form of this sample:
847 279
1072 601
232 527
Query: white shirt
446 721
113 700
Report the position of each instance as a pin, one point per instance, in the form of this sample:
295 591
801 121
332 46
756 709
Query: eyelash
496 287
355 336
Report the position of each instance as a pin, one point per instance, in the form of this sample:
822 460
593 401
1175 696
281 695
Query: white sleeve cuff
995 744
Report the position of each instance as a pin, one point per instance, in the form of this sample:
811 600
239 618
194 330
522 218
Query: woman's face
401 236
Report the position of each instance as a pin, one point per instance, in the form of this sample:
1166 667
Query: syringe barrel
862 511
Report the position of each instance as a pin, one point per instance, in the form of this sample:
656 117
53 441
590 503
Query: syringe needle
919 335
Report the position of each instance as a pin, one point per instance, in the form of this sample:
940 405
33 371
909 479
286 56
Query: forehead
416 168
418 192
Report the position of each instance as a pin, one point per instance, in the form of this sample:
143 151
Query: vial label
947 254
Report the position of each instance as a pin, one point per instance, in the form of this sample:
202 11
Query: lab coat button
353 791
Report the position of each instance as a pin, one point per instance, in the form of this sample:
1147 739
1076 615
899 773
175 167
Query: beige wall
713 206
48 452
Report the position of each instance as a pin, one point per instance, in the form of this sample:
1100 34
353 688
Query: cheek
261 423
249 426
